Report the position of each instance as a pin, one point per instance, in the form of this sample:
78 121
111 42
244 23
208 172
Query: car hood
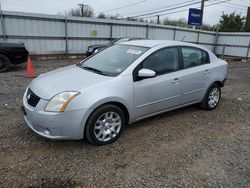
99 46
71 78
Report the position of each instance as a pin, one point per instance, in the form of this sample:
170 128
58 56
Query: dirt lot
184 148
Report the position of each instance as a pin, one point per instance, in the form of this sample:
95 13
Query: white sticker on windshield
119 70
132 51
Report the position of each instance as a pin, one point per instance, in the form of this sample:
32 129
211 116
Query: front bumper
53 125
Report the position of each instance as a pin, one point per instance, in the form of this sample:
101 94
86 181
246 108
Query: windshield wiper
94 70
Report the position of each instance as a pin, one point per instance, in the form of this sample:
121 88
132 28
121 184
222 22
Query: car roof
153 43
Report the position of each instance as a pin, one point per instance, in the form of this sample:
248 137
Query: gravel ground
184 148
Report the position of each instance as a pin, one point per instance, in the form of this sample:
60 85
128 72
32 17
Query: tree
87 11
135 19
182 22
114 17
102 16
231 22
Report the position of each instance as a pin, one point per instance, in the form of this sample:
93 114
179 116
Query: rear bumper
89 54
19 58
223 82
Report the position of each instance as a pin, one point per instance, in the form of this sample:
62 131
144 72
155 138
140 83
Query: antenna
183 38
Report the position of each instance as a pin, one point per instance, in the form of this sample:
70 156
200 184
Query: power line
239 5
168 6
225 5
177 7
185 9
233 7
125 6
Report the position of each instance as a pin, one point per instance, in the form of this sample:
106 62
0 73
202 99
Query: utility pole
247 25
202 11
81 7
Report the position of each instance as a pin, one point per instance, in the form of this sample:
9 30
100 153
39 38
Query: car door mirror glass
146 73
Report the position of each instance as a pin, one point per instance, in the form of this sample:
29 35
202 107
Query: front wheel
105 125
212 97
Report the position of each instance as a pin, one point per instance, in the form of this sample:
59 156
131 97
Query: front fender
101 102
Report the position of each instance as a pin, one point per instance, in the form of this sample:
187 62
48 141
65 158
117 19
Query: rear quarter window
205 57
194 57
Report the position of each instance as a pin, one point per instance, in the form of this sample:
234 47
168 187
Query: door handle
176 81
206 72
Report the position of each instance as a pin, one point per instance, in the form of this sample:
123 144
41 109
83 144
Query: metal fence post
198 37
223 50
111 32
147 30
66 36
216 39
3 25
174 33
248 48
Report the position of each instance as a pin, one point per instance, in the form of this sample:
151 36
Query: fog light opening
47 132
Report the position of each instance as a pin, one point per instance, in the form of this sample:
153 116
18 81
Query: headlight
96 50
59 102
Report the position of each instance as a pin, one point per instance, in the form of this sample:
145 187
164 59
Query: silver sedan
122 84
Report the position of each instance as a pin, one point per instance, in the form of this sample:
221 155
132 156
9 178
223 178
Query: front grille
32 98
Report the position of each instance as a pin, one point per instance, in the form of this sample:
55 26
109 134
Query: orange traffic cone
30 70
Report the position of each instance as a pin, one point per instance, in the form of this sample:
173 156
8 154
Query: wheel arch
118 104
7 55
219 83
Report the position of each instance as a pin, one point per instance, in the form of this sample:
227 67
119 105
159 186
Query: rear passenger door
195 74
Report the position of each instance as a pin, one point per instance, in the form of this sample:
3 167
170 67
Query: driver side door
163 91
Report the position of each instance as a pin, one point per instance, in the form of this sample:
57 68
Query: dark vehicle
95 48
12 54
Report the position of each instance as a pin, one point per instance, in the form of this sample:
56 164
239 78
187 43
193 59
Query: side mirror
146 73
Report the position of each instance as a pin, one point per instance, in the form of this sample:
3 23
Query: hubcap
107 126
214 97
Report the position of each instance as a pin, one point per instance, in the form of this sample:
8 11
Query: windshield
113 60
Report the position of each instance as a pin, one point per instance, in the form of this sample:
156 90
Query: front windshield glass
113 60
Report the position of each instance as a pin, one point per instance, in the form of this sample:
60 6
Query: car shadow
170 114
17 68
76 144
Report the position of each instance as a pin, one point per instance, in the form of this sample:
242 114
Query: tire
212 97
4 63
105 125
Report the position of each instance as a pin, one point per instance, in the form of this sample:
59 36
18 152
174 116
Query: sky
212 13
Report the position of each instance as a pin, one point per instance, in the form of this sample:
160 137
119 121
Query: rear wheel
105 125
212 97
4 63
